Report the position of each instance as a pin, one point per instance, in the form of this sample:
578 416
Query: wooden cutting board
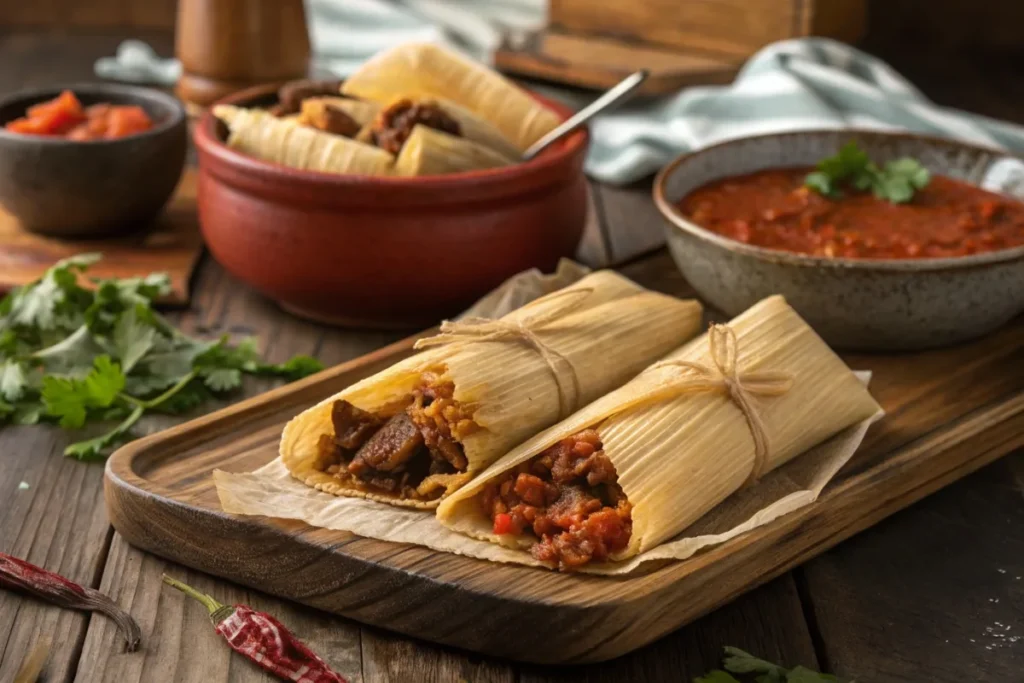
949 412
171 245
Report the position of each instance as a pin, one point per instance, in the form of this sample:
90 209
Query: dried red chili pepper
23 576
263 639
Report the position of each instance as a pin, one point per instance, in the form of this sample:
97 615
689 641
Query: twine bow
724 375
475 329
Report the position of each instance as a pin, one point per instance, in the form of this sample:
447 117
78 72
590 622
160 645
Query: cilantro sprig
751 668
76 355
896 181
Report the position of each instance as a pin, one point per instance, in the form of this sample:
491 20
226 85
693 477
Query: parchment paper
271 491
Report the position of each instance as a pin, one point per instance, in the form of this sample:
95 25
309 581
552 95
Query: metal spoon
612 97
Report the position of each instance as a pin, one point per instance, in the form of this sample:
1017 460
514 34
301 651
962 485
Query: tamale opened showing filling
569 498
411 451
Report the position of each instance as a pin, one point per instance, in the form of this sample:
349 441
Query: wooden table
935 593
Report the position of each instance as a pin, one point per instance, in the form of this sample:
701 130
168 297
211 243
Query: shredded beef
399 453
390 448
333 120
394 125
569 498
291 94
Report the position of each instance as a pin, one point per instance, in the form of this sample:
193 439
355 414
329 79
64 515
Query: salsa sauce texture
774 209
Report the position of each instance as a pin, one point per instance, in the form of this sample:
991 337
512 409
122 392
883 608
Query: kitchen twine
723 375
476 329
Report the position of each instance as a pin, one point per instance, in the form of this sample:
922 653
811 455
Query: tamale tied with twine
518 375
710 419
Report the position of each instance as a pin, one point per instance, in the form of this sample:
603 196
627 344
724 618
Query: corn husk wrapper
678 458
428 151
614 329
260 134
425 70
361 111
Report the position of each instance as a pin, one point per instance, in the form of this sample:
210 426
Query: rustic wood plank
943 579
388 658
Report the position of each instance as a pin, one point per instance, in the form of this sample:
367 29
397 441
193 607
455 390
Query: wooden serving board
949 412
171 245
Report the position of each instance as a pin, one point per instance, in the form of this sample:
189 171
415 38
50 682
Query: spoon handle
613 96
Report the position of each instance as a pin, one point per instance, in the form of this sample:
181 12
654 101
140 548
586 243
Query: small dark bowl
65 188
385 252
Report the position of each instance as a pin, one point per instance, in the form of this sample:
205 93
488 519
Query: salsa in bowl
752 217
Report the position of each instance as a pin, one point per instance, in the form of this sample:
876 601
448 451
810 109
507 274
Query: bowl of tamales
393 199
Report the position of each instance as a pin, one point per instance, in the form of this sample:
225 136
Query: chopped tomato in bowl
64 116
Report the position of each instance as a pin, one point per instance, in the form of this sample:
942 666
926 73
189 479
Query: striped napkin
791 85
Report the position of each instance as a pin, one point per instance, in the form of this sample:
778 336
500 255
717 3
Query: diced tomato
66 102
123 121
503 524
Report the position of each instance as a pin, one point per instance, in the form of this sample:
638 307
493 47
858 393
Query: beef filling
394 125
569 498
395 455
335 121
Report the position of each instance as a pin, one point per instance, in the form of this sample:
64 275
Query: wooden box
595 43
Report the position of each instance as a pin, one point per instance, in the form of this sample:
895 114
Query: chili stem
211 605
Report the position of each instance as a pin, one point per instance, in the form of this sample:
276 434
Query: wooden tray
949 412
172 245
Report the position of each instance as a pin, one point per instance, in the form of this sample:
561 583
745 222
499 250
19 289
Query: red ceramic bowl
385 252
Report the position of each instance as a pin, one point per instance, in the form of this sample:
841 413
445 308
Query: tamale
359 111
641 464
480 388
425 70
433 152
394 122
260 134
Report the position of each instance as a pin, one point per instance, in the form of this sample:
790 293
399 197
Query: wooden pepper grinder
228 45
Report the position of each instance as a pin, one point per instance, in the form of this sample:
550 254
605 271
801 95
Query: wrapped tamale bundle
338 115
422 428
425 70
260 134
428 151
395 123
641 464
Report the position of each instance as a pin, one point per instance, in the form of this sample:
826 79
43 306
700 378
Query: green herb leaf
293 369
99 447
70 399
222 379
716 676
802 674
13 381
132 338
740 662
896 182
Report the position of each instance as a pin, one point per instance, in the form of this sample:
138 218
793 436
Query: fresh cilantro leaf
8 343
801 674
292 369
66 399
26 414
739 662
13 381
71 356
896 182
6 410
190 396
51 299
70 399
132 338
821 183
100 447
222 379
716 676
144 386
105 382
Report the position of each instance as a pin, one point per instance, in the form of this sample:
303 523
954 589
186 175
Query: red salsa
774 209
64 116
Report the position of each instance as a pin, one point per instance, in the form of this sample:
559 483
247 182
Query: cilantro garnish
76 355
751 668
896 181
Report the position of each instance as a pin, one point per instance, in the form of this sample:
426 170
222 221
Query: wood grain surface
904 601
948 413
172 245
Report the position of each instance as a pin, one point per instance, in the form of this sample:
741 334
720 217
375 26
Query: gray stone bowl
866 304
99 188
